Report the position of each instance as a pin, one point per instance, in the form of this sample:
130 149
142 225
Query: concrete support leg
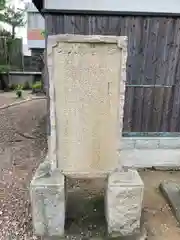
123 203
48 204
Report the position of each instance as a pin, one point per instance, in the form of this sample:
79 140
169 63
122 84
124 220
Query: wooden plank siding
151 109
152 102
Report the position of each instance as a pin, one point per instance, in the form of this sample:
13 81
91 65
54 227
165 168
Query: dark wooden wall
35 62
153 72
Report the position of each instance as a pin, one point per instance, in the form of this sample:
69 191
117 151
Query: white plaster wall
152 6
36 44
30 7
35 20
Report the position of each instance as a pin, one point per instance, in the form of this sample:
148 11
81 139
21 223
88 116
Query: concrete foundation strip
21 102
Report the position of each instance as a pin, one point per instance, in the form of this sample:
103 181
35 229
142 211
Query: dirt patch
85 213
161 223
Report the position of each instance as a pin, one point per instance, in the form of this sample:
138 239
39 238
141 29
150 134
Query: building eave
38 4
109 13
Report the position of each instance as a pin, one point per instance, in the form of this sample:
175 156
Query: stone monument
87 77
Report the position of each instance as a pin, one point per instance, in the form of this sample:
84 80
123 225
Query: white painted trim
36 44
152 6
24 73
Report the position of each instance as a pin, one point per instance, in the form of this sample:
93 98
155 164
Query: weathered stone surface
52 143
89 100
123 203
171 191
48 204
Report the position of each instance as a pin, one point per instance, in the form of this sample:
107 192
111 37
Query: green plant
44 33
19 91
13 16
37 87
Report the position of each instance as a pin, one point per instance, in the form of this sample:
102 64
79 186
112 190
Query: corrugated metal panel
147 6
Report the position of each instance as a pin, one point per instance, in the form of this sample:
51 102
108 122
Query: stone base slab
166 159
149 143
123 203
146 152
48 204
171 192
142 235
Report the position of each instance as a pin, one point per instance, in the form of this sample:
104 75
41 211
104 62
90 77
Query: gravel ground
22 147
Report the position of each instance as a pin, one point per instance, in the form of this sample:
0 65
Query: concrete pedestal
48 204
123 203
